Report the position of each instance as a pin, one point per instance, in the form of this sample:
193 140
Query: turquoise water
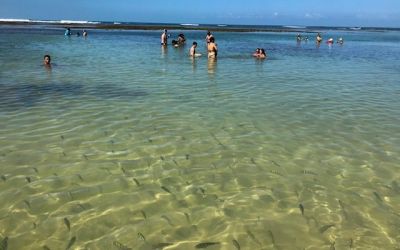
124 144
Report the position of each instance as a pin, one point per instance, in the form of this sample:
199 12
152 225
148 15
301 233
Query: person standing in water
208 37
164 38
212 49
192 51
67 32
262 54
257 52
298 38
319 38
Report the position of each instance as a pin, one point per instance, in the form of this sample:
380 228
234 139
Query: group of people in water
68 32
212 48
260 53
319 39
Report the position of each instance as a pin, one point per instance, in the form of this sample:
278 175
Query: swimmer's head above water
47 60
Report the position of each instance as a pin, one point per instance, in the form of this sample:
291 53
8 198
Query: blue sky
266 12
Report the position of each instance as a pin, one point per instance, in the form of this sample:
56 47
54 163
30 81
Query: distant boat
355 28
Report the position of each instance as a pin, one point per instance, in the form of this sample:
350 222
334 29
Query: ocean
124 144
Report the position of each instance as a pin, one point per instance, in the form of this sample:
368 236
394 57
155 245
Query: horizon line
75 21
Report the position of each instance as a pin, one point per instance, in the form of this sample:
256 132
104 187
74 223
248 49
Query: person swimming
84 33
212 48
257 52
47 61
340 41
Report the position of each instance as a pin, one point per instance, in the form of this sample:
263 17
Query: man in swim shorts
164 38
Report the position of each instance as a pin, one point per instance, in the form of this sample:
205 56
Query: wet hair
262 51
208 33
194 43
47 56
212 39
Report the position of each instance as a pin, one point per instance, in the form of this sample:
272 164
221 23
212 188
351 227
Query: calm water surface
123 144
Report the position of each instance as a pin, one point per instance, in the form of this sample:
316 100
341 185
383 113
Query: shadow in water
28 95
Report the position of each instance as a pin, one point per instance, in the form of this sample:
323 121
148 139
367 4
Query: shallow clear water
123 144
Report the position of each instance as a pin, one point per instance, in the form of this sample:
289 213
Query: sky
381 13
